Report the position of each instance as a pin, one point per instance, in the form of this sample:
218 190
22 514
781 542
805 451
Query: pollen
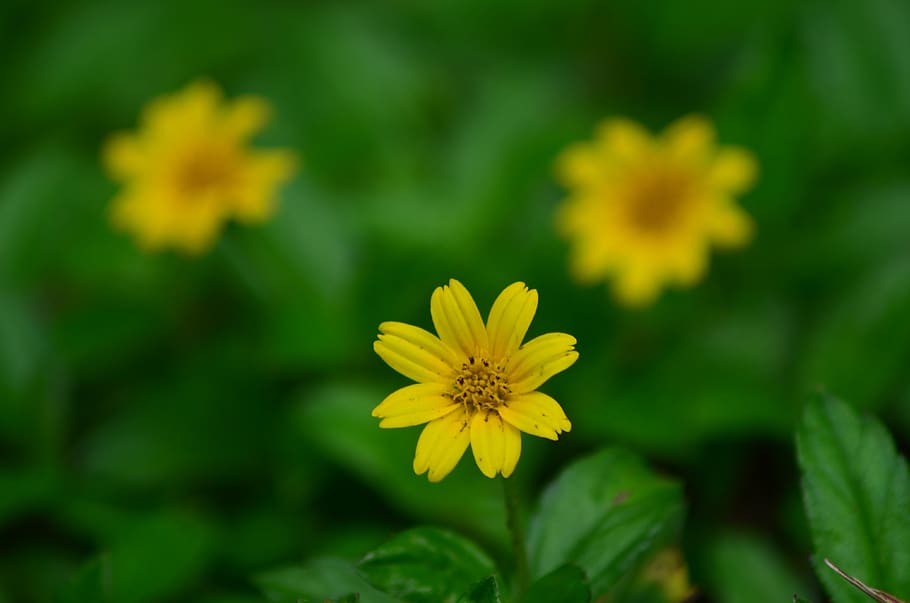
204 172
480 385
657 201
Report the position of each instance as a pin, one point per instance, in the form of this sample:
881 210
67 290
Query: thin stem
510 494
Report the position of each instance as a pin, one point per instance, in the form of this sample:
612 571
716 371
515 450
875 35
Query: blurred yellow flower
668 570
189 169
644 210
475 383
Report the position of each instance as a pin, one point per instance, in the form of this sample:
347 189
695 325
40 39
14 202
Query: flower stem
510 494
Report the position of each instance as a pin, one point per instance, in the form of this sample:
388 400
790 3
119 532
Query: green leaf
798 599
485 591
91 584
876 594
869 327
742 568
604 513
320 579
566 584
426 565
858 55
384 459
148 557
856 490
26 490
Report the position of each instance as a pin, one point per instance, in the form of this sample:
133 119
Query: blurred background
200 420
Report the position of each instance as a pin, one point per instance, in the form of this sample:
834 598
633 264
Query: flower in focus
476 382
188 169
644 210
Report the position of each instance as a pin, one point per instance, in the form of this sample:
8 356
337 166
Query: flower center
204 170
657 201
480 385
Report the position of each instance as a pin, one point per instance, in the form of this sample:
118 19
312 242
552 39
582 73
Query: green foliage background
191 423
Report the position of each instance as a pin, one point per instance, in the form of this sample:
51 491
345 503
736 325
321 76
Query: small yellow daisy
475 383
188 169
668 570
644 210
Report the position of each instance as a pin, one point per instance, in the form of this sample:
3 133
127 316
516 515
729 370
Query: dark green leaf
566 584
485 591
24 491
857 55
149 557
857 494
869 327
384 459
604 513
318 580
748 569
426 565
91 584
876 594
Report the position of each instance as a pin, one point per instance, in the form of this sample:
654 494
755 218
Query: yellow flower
644 210
188 169
475 383
668 570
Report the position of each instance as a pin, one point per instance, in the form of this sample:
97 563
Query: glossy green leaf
485 591
317 580
604 513
426 565
567 584
856 489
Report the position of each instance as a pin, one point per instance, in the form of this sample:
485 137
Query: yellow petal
244 117
688 264
457 319
495 443
196 228
624 139
511 449
264 171
421 339
591 260
441 445
534 364
537 414
509 319
199 101
123 156
412 361
578 165
690 139
729 226
414 405
191 110
733 170
638 286
537 369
